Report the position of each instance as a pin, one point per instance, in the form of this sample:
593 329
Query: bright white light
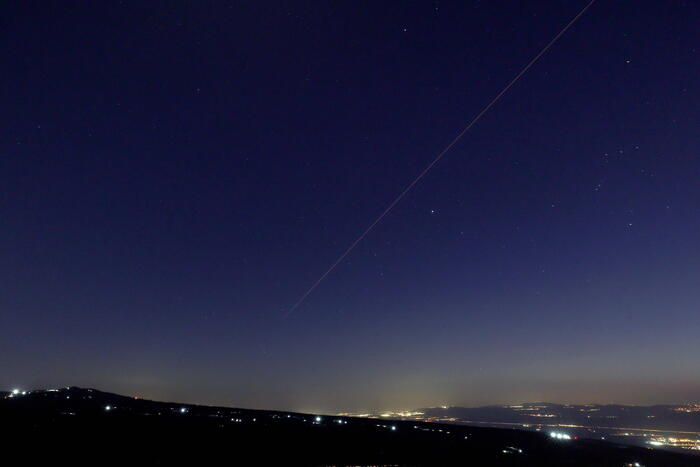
393 428
318 419
15 392
183 410
108 408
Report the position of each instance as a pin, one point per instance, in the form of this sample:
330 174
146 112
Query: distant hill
76 426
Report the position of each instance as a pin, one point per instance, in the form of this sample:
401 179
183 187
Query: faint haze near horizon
479 395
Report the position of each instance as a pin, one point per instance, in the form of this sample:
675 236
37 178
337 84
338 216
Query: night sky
175 175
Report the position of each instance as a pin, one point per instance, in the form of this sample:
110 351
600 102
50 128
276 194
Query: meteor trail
437 159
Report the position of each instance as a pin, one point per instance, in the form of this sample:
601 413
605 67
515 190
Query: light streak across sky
437 159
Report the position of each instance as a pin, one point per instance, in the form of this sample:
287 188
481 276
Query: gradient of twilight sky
174 175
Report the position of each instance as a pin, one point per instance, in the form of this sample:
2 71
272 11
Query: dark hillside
89 427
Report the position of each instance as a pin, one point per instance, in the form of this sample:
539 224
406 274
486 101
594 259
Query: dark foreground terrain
74 426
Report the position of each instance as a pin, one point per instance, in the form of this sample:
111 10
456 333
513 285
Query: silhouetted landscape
400 233
674 427
91 427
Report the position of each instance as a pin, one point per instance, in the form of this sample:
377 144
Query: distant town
675 427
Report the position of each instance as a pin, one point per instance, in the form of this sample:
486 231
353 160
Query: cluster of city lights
391 427
680 442
402 414
652 438
690 408
512 450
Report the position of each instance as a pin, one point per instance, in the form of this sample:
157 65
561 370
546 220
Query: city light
681 441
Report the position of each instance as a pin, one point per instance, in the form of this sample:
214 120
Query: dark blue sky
174 175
